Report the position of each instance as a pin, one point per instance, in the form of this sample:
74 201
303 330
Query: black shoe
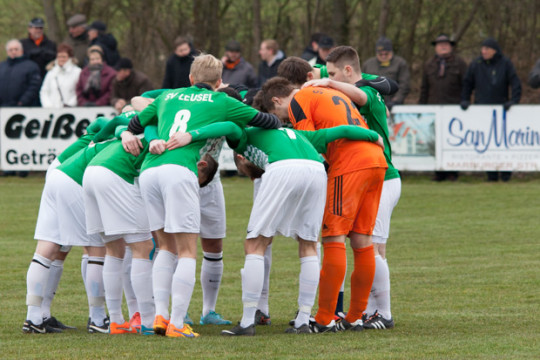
344 325
57 324
303 329
93 328
262 319
43 328
377 321
315 327
240 331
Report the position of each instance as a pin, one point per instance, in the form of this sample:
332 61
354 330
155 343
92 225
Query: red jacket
107 76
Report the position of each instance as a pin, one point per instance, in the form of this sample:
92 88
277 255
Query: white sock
162 274
211 273
94 289
112 283
252 285
129 294
309 281
381 287
372 304
183 283
84 264
319 256
36 280
55 273
141 279
263 300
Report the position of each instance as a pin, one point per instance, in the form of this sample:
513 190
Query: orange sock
361 281
333 271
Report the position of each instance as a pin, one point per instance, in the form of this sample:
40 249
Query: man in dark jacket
236 70
20 78
442 82
127 84
37 47
78 37
489 76
312 50
271 57
179 64
534 76
97 36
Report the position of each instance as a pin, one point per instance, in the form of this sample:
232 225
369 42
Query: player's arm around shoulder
357 95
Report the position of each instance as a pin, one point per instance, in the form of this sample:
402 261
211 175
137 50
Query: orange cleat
186 331
135 321
124 328
160 325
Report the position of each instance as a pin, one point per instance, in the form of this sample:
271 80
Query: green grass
464 260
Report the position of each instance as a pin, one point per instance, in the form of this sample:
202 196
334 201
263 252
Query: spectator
127 84
78 38
179 64
236 70
37 47
312 50
489 76
534 76
394 67
271 57
97 36
442 82
325 46
58 89
95 82
20 78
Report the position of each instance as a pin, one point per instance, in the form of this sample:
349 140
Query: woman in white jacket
58 89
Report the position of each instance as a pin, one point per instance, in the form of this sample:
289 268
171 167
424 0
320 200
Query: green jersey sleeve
153 94
149 115
96 125
151 133
320 138
239 113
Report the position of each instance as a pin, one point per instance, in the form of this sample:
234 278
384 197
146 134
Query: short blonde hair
206 69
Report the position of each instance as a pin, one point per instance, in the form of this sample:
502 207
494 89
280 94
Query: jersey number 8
180 122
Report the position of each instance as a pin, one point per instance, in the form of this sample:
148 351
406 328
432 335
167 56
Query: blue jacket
20 81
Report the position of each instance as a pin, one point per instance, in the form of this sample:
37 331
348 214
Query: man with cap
37 47
490 76
391 66
442 82
78 37
325 46
236 70
127 84
98 36
312 50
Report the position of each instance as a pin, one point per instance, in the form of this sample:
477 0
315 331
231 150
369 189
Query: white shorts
213 219
128 238
56 163
171 196
290 200
391 192
61 217
113 206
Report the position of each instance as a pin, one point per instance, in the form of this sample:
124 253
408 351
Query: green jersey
188 109
92 129
263 147
374 112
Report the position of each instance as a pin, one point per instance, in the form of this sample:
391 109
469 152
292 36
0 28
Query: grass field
465 268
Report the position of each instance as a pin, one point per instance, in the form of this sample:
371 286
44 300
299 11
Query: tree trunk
340 28
257 25
383 17
53 24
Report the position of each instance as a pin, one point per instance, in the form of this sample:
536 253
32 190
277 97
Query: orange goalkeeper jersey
315 108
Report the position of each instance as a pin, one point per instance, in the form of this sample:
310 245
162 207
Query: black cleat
378 322
315 327
262 319
43 328
303 329
344 325
240 331
93 328
57 324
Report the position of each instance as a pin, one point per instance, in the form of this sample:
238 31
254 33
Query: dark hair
63 47
344 55
231 92
180 40
257 102
255 172
317 37
275 87
294 69
210 170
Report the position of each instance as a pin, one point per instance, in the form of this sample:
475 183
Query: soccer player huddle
138 190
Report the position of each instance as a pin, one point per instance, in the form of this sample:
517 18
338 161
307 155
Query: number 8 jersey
315 108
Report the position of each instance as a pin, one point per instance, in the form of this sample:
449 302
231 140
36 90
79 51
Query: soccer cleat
213 318
93 328
378 322
143 330
238 330
315 327
160 325
57 324
43 328
187 320
135 321
292 322
125 328
186 331
344 325
261 318
303 329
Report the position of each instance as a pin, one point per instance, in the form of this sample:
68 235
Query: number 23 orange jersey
315 108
